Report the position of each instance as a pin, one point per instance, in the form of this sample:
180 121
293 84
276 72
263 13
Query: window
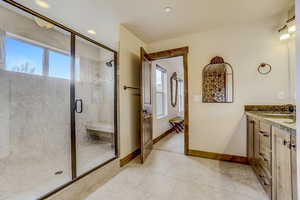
23 57
59 65
181 96
161 92
26 57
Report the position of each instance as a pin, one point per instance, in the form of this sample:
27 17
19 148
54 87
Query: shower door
35 106
94 105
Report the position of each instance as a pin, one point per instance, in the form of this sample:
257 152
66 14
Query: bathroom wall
291 46
297 66
129 70
161 125
220 128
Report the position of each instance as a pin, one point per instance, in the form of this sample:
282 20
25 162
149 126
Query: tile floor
16 182
168 175
173 142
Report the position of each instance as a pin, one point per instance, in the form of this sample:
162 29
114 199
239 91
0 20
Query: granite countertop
277 119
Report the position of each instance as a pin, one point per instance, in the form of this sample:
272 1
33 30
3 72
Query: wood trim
157 139
169 53
217 156
186 105
124 161
174 53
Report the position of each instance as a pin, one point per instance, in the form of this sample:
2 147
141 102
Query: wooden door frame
175 53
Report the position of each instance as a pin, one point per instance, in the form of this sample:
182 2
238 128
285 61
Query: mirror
174 89
217 85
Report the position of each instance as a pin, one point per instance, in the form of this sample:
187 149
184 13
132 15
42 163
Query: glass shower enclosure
58 104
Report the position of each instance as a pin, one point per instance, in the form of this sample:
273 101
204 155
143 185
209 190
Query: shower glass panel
94 90
35 142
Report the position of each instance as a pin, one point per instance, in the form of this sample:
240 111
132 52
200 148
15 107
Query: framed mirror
174 89
217 82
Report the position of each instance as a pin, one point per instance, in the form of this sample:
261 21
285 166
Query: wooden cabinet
294 167
272 154
282 163
250 140
263 158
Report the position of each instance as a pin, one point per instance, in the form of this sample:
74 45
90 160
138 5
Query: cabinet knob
263 133
293 146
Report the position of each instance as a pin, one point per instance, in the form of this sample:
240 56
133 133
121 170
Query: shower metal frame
75 34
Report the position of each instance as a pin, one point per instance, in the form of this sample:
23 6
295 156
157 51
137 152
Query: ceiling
148 20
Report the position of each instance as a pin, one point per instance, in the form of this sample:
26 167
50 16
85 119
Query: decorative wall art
217 85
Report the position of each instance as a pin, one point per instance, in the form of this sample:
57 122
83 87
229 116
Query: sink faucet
292 110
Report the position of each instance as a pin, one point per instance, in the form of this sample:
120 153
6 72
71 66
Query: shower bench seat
101 130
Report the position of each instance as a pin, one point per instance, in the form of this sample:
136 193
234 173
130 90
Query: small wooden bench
177 124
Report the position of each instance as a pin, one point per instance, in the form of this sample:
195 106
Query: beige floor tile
171 175
174 142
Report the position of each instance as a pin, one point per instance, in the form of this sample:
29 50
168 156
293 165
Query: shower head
109 63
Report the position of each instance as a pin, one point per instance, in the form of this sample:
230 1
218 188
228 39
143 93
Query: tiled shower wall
95 87
35 111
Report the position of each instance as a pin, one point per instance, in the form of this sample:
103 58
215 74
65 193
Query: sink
278 115
284 117
291 121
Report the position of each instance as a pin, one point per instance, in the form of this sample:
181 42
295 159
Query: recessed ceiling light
92 32
42 4
168 9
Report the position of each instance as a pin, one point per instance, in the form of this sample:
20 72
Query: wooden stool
177 124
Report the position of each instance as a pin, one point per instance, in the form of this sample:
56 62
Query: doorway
168 96
168 85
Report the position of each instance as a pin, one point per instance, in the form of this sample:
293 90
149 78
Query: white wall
221 128
161 125
298 90
291 45
129 69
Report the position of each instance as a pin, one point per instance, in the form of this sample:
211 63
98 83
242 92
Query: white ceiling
147 19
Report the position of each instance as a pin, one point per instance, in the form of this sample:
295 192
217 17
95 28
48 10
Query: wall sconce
292 27
288 30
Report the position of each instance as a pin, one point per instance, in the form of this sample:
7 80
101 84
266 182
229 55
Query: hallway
170 175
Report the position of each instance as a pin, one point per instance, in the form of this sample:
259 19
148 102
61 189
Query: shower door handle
78 106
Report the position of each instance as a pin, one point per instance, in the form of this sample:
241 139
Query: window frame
181 95
46 53
163 92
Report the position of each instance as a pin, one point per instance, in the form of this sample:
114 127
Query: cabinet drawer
264 128
265 140
265 165
265 180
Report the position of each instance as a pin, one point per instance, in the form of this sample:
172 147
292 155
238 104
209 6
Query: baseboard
130 157
124 161
217 156
157 139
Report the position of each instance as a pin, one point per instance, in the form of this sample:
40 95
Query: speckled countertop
280 120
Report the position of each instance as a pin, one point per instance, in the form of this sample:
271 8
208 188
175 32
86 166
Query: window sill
161 116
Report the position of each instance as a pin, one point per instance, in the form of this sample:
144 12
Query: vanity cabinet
272 155
284 172
263 158
250 139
